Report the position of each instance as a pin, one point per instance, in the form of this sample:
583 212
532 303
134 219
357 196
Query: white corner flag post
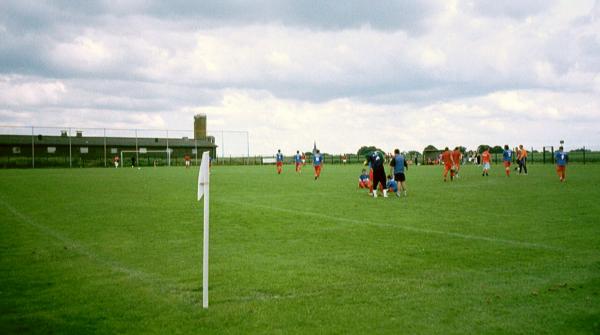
203 183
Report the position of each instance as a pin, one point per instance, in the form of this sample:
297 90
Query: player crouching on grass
391 186
398 163
363 180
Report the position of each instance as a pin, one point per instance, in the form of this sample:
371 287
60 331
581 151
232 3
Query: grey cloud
516 9
313 14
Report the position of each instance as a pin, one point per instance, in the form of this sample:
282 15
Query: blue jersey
279 157
298 158
363 177
398 163
561 158
507 155
318 159
392 184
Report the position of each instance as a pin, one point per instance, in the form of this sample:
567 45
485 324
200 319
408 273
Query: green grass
119 251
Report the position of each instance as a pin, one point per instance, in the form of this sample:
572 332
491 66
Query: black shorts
378 177
399 177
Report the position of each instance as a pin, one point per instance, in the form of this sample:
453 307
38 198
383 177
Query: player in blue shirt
317 163
279 159
507 158
399 164
391 185
561 159
298 161
363 180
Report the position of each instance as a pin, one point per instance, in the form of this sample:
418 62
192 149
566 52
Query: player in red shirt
485 159
447 159
456 158
187 160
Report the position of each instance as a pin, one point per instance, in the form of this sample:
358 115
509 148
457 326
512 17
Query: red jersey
485 156
446 157
456 156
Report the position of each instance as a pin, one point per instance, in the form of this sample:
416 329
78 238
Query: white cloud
465 75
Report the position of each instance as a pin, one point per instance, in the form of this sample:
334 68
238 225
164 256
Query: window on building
51 150
114 150
143 150
194 151
83 150
16 150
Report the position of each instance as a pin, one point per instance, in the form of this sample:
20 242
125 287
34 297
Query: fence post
32 149
532 155
552 148
543 155
104 147
70 151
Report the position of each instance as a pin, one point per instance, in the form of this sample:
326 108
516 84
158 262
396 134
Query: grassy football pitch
120 251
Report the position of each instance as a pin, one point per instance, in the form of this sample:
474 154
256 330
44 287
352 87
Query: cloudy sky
342 73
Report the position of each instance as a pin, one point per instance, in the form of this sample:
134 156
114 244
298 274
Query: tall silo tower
200 126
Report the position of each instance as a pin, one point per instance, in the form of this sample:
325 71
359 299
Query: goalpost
145 152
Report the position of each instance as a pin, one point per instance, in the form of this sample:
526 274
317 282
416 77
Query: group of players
396 181
452 161
299 161
376 179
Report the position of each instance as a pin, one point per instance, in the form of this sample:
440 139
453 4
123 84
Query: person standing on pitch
561 158
116 161
446 157
522 158
456 159
375 159
318 164
398 163
298 161
279 161
485 158
187 159
507 158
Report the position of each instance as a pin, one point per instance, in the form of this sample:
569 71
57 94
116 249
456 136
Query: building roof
100 141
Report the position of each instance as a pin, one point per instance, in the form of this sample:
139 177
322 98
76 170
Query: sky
394 74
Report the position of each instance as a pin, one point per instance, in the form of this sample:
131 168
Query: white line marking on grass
399 226
163 285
